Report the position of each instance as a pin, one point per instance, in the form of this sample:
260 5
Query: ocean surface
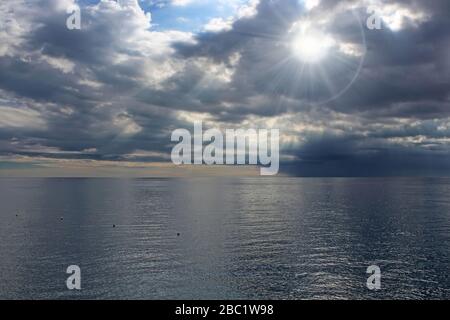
240 238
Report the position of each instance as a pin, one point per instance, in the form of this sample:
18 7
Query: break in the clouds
348 100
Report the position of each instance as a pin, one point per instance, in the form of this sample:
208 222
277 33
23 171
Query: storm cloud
377 104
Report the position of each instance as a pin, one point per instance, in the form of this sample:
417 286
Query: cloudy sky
349 100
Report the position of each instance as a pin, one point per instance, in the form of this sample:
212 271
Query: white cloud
182 3
62 64
311 4
24 118
218 25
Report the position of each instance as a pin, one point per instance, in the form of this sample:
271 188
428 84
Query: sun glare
320 65
311 47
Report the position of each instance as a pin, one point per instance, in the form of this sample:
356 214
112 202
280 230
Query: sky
348 100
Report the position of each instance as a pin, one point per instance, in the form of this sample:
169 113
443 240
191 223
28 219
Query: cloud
114 90
181 2
20 118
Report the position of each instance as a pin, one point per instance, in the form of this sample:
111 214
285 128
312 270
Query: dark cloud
114 90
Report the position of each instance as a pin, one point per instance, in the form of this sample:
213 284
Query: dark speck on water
243 238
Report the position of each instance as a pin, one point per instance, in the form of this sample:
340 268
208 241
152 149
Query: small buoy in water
61 218
178 234
114 225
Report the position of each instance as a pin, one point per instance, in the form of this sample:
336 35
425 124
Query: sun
318 64
311 46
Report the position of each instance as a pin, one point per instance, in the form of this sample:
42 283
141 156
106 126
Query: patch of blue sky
193 15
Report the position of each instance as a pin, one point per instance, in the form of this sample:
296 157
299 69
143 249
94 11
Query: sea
281 238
